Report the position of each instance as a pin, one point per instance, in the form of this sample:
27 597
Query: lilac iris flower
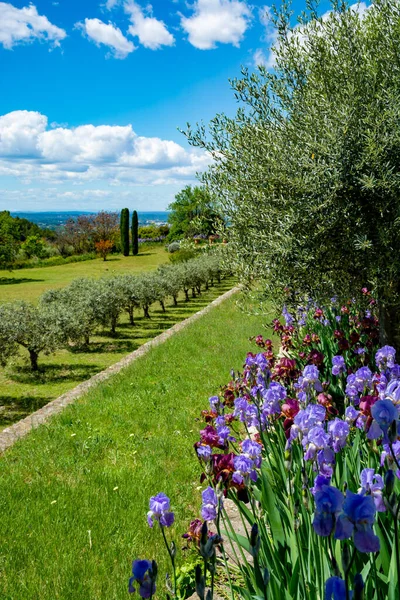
141 570
352 389
209 507
204 452
387 453
363 379
224 435
335 589
252 450
309 379
339 431
351 415
316 439
215 402
311 416
372 483
356 520
326 462
338 365
385 358
244 469
159 511
272 398
328 504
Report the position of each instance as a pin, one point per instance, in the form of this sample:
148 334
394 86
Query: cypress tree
135 237
124 227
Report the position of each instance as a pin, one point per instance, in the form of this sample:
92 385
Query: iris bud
358 587
200 583
254 540
392 432
266 577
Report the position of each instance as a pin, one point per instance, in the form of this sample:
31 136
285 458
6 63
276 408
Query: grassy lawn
29 284
75 492
22 392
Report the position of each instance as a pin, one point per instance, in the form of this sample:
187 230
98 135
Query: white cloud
213 21
151 32
23 25
111 3
107 34
30 150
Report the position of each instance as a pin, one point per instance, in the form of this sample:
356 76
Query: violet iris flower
356 520
141 574
328 504
159 511
204 452
338 365
287 316
363 379
252 450
309 379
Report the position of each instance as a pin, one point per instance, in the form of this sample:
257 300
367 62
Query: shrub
173 247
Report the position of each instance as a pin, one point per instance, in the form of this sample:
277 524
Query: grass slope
74 494
29 284
22 392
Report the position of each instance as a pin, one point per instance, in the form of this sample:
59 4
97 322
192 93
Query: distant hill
52 220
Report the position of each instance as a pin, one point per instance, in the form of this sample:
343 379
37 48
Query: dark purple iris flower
159 511
356 520
141 575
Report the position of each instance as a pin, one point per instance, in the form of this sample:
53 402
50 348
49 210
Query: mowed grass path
74 493
29 284
22 391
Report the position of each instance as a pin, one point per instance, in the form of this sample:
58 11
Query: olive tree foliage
37 329
307 172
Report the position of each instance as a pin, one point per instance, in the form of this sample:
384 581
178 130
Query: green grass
94 467
22 391
29 284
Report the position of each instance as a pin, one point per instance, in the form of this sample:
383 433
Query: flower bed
305 441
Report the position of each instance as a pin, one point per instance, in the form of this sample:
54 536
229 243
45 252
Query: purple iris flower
385 358
392 391
244 469
388 454
384 413
252 450
335 589
356 520
326 462
220 421
338 365
224 434
204 452
141 574
319 482
328 504
339 431
209 507
159 511
359 351
338 318
372 483
215 402
241 408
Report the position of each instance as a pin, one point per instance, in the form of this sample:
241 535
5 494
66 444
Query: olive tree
307 170
37 329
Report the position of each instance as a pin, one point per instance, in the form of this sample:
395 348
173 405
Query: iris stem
346 574
171 557
396 542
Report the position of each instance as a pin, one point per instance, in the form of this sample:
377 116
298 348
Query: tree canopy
307 172
193 212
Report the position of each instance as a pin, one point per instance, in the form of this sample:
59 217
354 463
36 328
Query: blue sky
92 93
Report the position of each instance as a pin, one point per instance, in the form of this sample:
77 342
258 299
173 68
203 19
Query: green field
29 284
23 391
75 492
